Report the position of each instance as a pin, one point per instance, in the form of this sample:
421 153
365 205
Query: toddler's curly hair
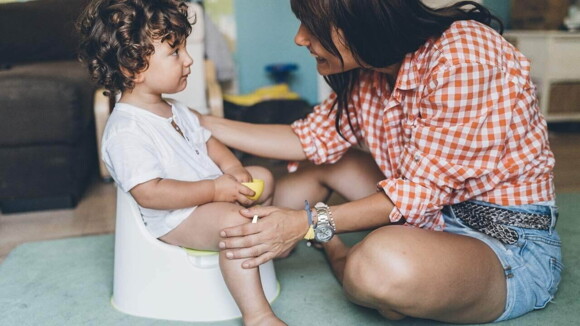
116 37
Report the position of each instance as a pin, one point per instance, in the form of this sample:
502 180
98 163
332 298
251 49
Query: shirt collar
408 77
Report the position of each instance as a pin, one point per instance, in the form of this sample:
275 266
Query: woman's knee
378 272
259 172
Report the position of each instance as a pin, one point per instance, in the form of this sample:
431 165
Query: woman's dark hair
379 33
117 37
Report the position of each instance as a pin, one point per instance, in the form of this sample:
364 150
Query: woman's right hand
277 232
228 189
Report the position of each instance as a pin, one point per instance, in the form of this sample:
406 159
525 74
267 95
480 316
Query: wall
265 35
500 8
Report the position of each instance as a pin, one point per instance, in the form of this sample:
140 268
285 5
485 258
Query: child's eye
176 52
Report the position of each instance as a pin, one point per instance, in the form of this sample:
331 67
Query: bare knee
378 274
230 216
259 172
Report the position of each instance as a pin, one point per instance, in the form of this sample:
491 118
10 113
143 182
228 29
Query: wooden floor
95 214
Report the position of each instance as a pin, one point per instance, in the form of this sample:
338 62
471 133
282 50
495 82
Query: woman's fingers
255 262
275 233
249 252
261 211
242 242
240 230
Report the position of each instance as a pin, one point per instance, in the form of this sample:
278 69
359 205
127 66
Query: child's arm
174 194
227 161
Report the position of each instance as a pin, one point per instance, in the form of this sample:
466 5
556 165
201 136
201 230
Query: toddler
188 185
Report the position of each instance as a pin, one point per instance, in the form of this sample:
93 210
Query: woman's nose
302 37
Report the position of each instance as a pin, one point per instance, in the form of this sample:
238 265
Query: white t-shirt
139 146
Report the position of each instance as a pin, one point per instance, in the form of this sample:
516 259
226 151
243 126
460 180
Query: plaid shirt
462 122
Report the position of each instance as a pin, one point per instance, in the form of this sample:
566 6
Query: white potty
157 280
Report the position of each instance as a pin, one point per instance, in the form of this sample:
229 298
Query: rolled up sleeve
321 142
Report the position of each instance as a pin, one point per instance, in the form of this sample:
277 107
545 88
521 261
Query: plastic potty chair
157 280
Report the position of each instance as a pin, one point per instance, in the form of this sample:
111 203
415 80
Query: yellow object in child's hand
257 185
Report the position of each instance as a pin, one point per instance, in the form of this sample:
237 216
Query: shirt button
417 157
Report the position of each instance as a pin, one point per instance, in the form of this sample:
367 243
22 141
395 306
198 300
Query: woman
456 179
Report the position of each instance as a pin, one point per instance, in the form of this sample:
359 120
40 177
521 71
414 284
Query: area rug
70 282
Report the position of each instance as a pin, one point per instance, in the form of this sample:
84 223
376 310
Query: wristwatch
324 229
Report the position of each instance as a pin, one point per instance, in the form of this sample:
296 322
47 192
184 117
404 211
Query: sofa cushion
39 30
45 103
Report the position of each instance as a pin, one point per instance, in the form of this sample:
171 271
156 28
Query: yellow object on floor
275 92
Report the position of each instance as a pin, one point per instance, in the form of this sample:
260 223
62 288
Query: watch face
324 233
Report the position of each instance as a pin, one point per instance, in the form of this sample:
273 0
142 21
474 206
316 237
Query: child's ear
136 78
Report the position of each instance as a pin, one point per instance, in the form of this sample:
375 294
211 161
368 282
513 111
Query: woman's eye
176 52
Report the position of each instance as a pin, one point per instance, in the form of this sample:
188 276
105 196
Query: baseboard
36 204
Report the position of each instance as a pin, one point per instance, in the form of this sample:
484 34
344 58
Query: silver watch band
324 214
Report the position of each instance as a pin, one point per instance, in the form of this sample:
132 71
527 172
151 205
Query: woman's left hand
276 232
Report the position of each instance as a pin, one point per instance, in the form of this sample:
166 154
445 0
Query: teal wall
500 8
265 35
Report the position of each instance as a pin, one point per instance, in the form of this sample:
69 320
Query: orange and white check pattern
462 122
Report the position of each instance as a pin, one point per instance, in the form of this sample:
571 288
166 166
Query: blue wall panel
266 30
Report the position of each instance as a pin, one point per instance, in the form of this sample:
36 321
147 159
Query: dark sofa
47 131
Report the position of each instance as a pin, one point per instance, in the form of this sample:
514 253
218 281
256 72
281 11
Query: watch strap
324 215
310 233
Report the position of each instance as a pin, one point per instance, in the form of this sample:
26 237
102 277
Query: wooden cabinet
555 57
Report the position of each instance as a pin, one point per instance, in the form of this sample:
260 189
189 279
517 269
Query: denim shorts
532 266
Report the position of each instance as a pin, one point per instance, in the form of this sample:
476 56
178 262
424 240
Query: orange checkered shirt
462 122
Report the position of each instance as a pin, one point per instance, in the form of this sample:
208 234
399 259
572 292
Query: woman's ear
337 36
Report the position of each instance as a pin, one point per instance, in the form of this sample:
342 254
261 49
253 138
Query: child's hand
240 173
228 189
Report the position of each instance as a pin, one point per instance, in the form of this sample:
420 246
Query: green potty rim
198 253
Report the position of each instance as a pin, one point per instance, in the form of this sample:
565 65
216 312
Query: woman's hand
228 189
275 233
239 172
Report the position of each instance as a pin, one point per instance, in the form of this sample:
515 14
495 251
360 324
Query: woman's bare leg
201 231
316 182
401 271
404 271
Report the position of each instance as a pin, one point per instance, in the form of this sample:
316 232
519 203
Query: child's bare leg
201 231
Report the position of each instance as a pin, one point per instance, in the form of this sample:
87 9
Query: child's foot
264 320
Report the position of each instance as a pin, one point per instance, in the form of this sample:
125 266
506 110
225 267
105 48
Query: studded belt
495 221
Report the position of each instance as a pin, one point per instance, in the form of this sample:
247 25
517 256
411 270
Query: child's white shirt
139 146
